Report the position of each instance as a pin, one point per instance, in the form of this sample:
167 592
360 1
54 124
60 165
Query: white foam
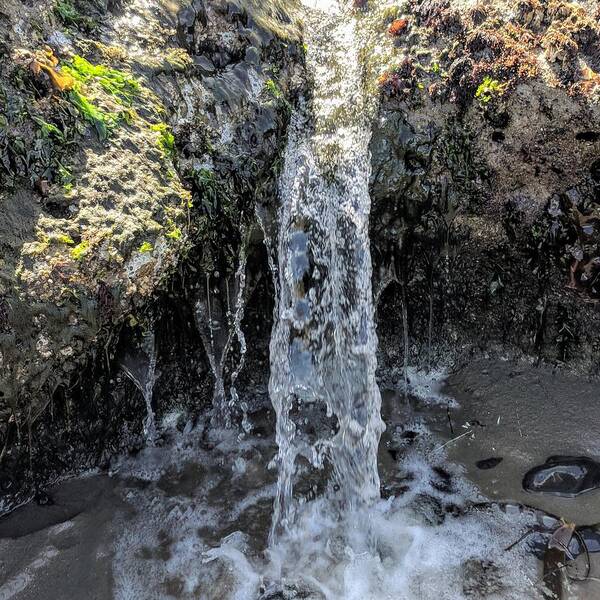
427 386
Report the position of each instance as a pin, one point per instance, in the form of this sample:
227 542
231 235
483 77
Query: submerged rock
297 590
481 579
566 476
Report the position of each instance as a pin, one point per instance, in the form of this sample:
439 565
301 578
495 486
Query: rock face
133 135
485 180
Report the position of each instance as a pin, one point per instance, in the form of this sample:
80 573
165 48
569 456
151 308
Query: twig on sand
462 435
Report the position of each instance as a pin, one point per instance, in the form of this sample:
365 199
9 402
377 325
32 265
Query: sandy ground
524 414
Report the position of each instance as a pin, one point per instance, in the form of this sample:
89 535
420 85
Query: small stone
489 463
480 579
566 476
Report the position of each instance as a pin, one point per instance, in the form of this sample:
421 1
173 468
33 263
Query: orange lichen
398 27
506 53
559 46
590 81
531 14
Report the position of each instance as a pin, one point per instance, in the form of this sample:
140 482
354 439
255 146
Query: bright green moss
166 139
80 251
489 89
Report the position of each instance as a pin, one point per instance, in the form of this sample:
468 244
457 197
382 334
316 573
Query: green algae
146 247
166 139
81 250
118 84
489 89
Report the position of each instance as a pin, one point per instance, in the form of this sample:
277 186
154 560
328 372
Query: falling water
219 314
323 344
139 364
346 543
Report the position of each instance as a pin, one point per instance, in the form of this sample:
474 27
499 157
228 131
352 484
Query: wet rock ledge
486 181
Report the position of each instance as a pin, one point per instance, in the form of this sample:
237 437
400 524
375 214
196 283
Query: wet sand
518 412
65 550
524 414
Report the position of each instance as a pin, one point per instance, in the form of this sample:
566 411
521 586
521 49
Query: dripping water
139 364
219 325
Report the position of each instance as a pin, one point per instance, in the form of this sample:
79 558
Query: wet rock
54 345
285 590
488 463
442 480
44 499
566 476
595 171
588 536
481 579
480 196
429 508
7 484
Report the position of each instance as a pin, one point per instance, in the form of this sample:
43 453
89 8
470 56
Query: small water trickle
139 364
236 325
213 343
219 312
323 344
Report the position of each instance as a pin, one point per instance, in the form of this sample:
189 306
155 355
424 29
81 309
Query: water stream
323 344
139 364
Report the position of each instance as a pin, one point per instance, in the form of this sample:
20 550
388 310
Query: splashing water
323 344
347 543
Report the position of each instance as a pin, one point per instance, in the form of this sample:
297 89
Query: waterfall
323 345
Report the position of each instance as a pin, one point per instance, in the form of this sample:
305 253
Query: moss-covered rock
135 138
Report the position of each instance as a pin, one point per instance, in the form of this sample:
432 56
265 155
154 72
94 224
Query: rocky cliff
135 139
486 180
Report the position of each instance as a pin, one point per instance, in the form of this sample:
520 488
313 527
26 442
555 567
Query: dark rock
204 65
588 136
442 480
488 463
7 484
429 508
566 476
595 171
297 590
252 55
186 19
201 14
590 536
